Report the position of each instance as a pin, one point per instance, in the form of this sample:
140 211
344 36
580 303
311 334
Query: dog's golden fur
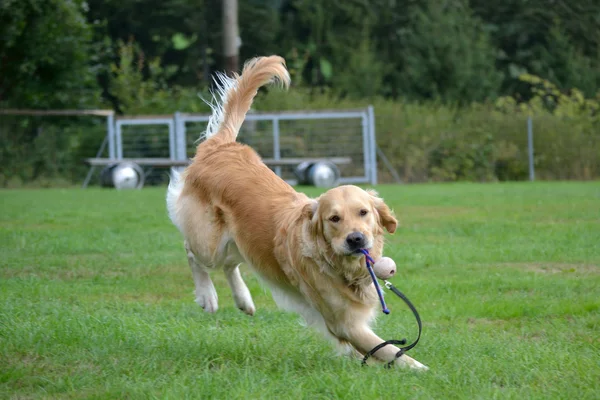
231 208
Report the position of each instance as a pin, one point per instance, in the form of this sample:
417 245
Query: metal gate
276 135
138 137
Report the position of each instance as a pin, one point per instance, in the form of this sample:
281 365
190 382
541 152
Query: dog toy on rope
383 269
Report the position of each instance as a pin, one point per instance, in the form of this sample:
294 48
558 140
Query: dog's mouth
358 252
353 250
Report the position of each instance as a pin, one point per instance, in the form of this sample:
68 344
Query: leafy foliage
570 123
46 55
476 142
424 65
459 51
136 94
548 39
47 60
447 55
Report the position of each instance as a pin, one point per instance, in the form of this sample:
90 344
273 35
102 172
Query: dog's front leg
364 339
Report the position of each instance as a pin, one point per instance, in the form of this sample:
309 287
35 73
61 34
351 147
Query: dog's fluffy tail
236 95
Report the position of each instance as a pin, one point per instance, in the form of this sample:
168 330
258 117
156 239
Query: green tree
445 54
557 40
330 44
45 55
566 64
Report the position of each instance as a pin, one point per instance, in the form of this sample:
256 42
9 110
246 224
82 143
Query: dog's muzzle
355 241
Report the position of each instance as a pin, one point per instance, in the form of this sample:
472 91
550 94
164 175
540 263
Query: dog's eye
363 213
335 218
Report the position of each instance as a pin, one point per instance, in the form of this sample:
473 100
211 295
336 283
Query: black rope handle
399 342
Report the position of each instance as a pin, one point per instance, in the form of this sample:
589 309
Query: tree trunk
230 36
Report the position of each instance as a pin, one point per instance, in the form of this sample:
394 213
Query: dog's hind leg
241 294
206 295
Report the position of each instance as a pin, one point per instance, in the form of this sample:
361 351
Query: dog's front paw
248 308
244 302
408 362
209 302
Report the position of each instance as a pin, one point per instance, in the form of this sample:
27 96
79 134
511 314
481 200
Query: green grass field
97 302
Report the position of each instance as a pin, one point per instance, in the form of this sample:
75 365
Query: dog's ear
311 213
386 216
310 209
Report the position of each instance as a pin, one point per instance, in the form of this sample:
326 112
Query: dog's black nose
355 240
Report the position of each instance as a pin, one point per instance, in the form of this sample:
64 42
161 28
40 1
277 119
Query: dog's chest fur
313 268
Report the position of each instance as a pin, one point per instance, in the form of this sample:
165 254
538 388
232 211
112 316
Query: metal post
366 142
119 139
530 148
110 134
389 165
88 177
231 36
373 145
276 148
172 146
180 141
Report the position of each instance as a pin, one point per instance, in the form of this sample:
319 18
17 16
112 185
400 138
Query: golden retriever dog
232 209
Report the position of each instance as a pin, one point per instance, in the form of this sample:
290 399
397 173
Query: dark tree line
58 53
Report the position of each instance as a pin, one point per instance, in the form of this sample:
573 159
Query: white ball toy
384 268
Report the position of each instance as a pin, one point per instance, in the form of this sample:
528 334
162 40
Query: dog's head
349 218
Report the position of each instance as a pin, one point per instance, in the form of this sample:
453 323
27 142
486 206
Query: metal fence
53 144
145 138
317 134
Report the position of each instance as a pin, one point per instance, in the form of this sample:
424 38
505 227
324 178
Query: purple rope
369 261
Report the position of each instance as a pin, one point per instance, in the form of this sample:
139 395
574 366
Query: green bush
566 129
424 141
477 142
47 151
137 94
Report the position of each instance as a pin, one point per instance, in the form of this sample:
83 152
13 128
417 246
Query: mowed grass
97 302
